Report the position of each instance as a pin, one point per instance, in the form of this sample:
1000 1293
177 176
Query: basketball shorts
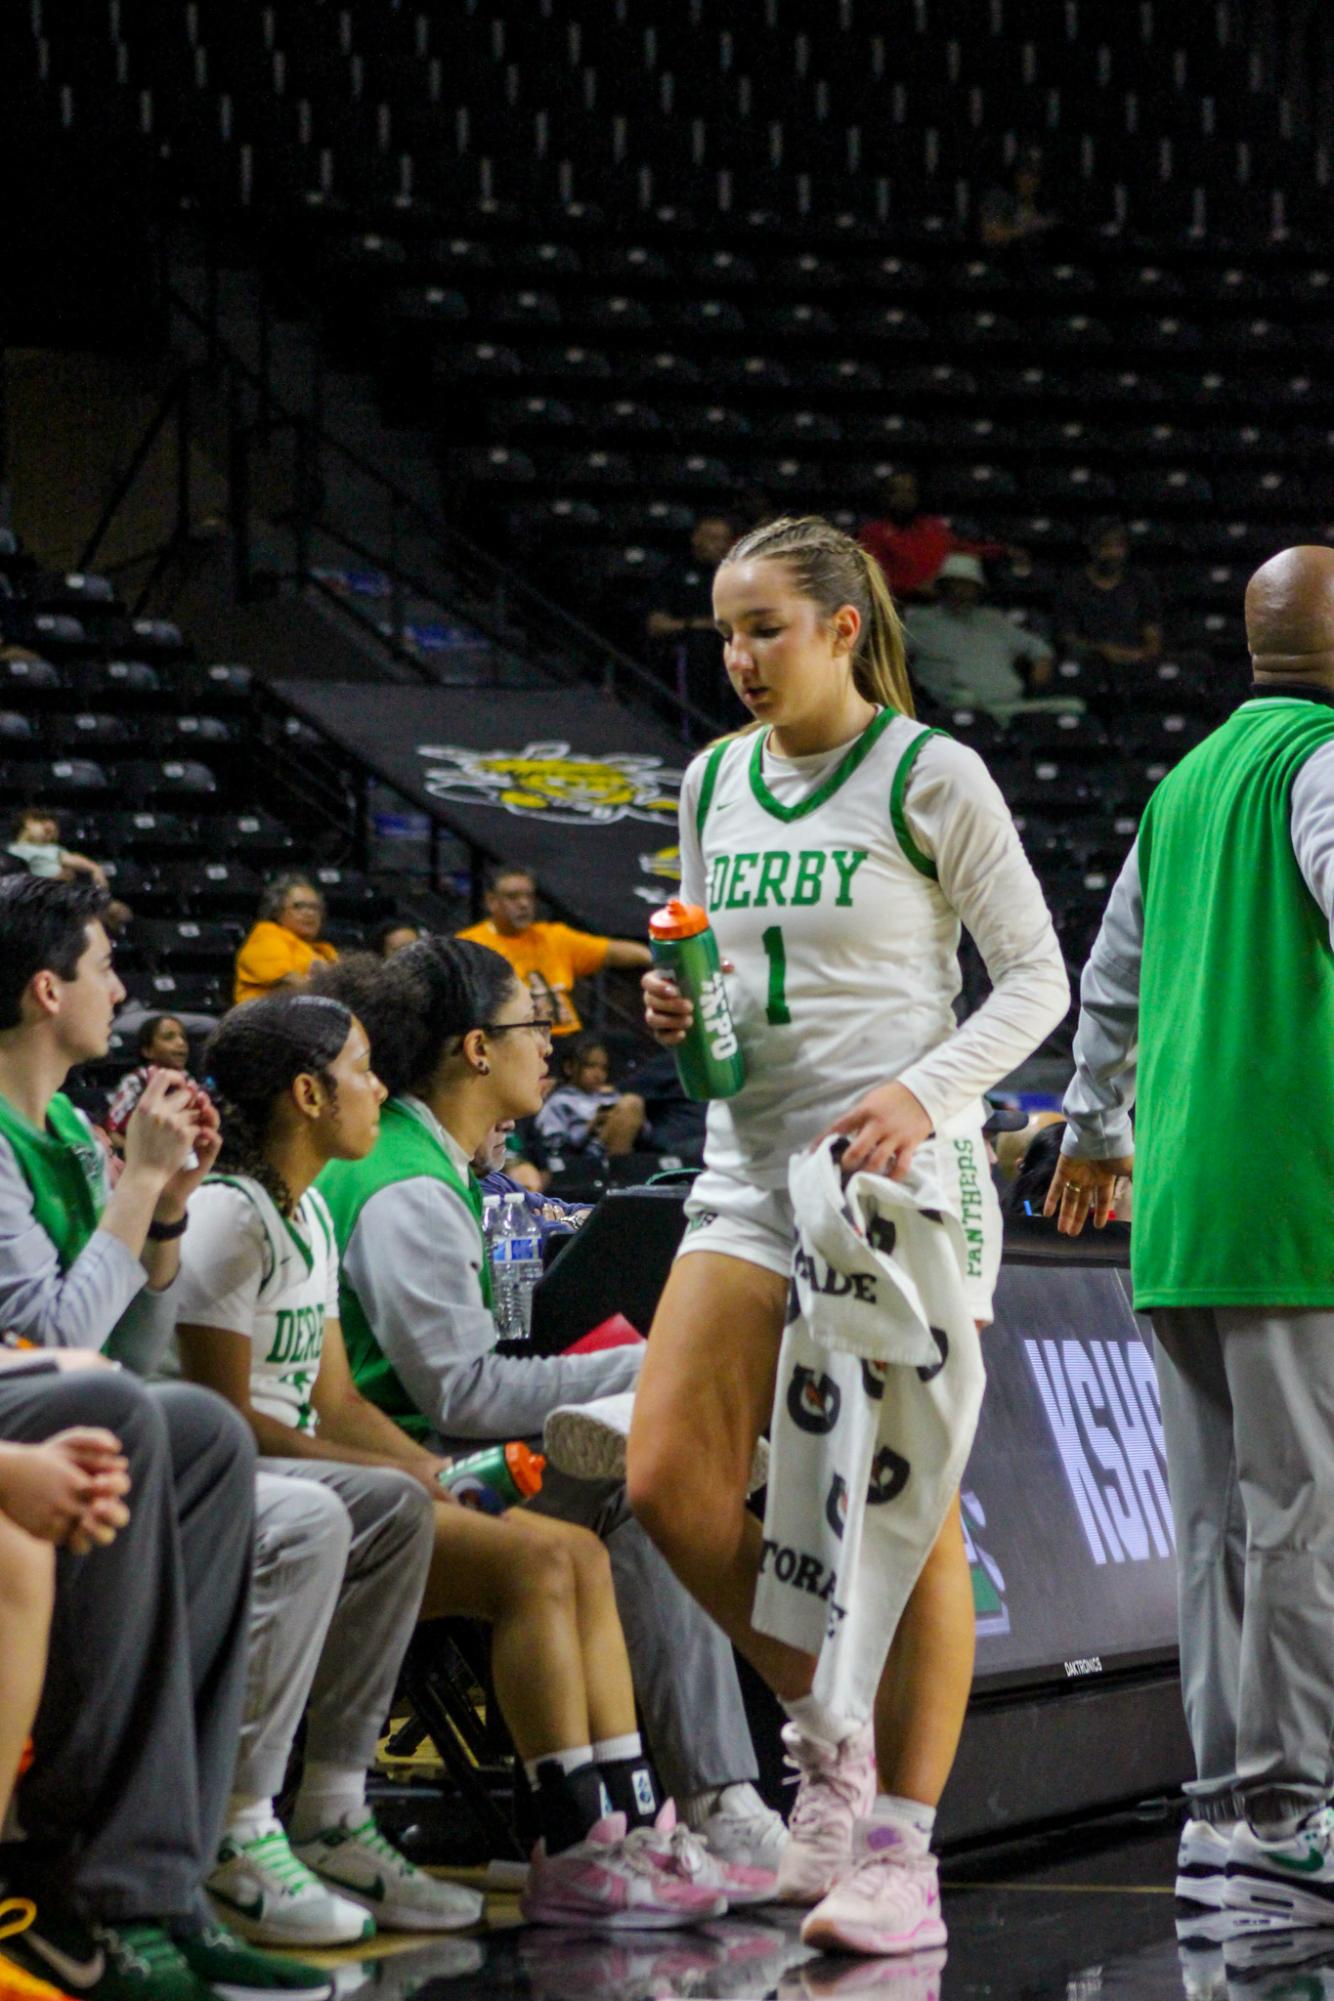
741 1220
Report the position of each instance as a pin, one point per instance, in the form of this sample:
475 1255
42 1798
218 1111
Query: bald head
1290 616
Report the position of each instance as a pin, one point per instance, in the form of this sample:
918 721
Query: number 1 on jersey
777 1013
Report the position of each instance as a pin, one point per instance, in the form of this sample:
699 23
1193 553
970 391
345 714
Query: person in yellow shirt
548 957
286 941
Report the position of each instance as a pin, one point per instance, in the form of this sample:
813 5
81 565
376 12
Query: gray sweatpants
683 1666
1248 1423
135 1738
341 1555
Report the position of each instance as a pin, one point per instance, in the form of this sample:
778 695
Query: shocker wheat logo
549 781
663 865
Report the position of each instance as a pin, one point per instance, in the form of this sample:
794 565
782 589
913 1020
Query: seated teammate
456 1039
259 1323
141 1683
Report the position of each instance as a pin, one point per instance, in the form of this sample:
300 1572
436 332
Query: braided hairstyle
830 569
416 1004
254 1056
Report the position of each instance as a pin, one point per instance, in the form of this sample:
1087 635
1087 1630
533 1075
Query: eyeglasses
541 1025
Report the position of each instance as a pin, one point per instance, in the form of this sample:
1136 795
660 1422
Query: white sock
1277 1830
815 1719
739 1801
249 1815
329 1794
915 1820
569 1761
612 1750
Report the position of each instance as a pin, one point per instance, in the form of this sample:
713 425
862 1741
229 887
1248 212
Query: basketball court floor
1080 1915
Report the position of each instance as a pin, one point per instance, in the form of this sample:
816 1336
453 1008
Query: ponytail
254 1056
832 570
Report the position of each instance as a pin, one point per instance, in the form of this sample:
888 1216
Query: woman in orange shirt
286 942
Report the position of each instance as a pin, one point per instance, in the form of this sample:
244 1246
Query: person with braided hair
838 846
337 1602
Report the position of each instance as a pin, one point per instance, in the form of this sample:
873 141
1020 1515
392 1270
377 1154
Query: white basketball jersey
844 948
250 1269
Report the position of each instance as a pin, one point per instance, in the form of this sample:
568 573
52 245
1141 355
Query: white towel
880 1382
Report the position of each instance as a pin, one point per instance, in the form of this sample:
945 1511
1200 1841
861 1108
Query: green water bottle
496 1478
709 1062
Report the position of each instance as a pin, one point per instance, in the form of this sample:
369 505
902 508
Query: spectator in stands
285 943
35 841
586 1109
910 545
1104 613
346 1525
139 1687
548 957
494 1164
393 934
1016 215
461 1045
679 626
966 654
162 1045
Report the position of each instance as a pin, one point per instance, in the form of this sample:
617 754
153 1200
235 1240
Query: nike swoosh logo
253 1909
1310 1862
375 1889
73 1972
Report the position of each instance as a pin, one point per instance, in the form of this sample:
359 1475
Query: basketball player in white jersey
838 846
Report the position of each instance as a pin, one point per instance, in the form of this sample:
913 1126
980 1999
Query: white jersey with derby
248 1268
836 886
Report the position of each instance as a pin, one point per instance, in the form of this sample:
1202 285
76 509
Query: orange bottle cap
678 920
526 1468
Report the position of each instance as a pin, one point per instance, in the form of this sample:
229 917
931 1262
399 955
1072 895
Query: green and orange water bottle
709 1062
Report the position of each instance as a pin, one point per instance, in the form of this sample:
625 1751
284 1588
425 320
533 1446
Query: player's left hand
885 1129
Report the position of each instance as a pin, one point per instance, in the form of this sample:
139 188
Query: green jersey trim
897 813
307 1256
710 781
856 755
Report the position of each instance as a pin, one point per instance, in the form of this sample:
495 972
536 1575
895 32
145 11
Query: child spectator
163 1045
586 1109
35 842
393 934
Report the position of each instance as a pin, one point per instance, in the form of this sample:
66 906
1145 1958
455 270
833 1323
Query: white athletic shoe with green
1291 1878
261 1889
354 1859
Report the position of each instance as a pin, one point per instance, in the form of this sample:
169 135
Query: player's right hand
667 1012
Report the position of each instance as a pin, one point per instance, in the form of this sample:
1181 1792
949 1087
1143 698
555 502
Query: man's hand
69 1489
161 1131
207 1146
886 1127
1079 1184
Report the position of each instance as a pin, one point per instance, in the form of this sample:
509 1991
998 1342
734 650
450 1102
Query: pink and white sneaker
678 1851
889 1903
605 1884
836 1788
